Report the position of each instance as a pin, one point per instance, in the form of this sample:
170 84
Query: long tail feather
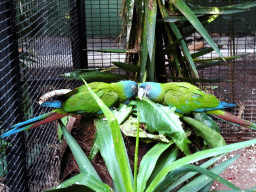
221 106
236 120
38 118
34 122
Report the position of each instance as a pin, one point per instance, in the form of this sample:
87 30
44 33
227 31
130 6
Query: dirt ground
242 172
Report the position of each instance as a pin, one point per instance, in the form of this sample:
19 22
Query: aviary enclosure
42 39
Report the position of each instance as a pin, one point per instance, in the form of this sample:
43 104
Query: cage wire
235 32
237 35
48 38
104 29
39 41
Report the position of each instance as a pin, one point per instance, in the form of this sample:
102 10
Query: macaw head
130 89
150 90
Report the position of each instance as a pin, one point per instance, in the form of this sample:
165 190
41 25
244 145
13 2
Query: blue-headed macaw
187 98
80 101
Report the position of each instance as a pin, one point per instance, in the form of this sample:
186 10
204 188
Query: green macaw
80 101
187 98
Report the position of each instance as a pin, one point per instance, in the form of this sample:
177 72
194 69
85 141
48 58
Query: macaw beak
141 93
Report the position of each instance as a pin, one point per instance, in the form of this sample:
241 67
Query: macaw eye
134 87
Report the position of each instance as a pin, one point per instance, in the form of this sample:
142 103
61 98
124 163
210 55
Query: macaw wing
95 86
84 102
187 98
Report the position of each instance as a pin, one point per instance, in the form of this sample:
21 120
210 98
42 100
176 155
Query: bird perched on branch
80 101
187 98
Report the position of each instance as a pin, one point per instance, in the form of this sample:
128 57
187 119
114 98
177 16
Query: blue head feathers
150 90
130 88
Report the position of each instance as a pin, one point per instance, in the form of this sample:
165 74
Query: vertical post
232 53
11 110
78 31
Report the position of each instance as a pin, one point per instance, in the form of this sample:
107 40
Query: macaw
187 98
80 101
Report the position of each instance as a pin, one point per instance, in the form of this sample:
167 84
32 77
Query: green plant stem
136 154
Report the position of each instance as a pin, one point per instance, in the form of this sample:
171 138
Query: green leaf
205 20
152 64
93 75
129 129
205 119
185 10
166 159
218 58
203 52
225 9
185 49
82 161
192 168
197 157
119 147
76 188
171 182
107 50
246 5
213 63
59 131
169 19
107 149
127 67
192 80
170 48
202 180
208 187
148 163
178 35
150 21
94 149
158 120
123 112
82 182
144 54
213 138
216 10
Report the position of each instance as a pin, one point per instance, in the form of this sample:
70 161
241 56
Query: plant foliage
161 169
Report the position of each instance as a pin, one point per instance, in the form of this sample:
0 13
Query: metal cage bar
16 177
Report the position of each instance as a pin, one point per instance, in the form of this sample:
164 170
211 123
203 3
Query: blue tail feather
26 124
55 104
221 106
13 131
224 104
30 120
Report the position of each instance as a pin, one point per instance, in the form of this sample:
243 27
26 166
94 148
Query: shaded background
41 39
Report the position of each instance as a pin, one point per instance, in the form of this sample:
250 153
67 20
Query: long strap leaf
119 146
196 157
83 162
178 35
186 11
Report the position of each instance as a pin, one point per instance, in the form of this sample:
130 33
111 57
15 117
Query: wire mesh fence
237 35
235 32
41 39
104 29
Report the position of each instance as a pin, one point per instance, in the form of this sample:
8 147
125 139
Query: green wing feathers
84 102
186 97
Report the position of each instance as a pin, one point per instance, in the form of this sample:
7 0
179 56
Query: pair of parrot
186 98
